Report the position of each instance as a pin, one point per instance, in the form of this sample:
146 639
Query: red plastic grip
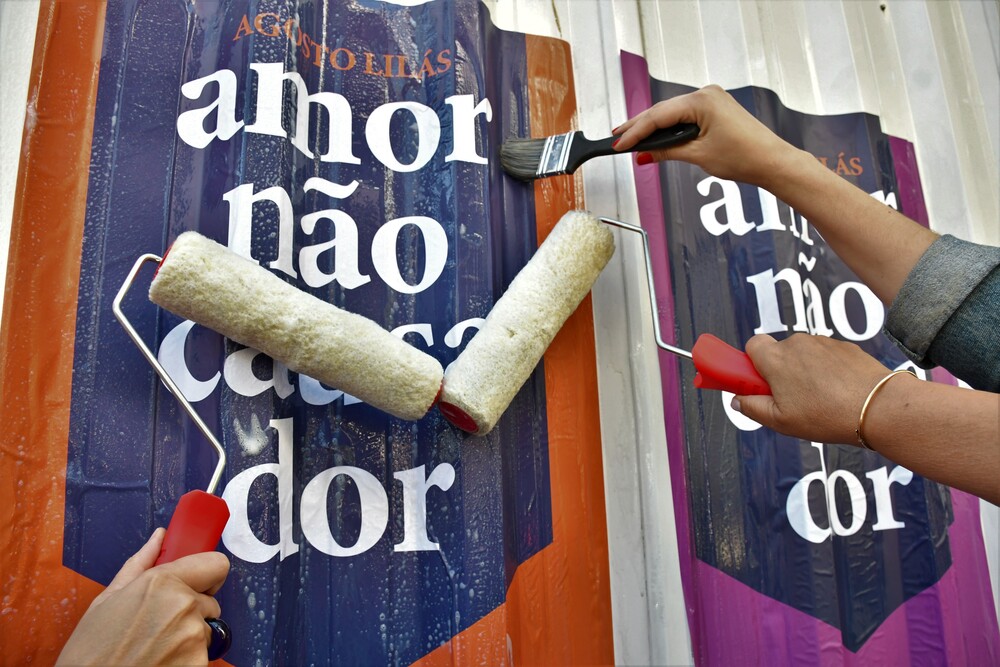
723 367
195 527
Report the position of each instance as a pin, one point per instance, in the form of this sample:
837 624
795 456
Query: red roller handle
723 367
195 527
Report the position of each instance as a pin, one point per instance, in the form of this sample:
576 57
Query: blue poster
346 146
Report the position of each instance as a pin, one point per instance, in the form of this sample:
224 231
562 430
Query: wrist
879 414
787 170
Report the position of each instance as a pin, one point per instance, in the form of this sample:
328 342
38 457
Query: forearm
945 433
878 243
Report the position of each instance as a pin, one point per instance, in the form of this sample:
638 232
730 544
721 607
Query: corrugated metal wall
17 19
929 69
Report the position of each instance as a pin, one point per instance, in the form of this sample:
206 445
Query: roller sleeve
483 381
207 283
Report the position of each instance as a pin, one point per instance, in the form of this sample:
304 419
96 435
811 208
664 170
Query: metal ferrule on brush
555 155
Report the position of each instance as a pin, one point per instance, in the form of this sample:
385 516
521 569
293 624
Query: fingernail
615 142
643 158
735 405
615 131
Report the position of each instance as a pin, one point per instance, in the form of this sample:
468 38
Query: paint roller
719 365
483 381
207 283
200 516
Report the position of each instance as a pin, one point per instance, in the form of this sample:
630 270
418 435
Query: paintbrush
528 159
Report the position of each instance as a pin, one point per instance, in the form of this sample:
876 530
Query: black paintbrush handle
665 138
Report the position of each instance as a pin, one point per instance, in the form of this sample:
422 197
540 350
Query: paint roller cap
458 417
162 261
437 396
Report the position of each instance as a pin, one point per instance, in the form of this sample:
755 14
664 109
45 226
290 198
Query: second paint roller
205 282
482 382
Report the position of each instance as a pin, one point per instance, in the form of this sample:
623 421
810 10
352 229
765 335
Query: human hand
818 386
151 615
732 144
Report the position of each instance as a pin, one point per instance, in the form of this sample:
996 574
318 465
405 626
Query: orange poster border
558 607
42 600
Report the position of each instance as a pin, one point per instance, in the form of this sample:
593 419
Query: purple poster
792 551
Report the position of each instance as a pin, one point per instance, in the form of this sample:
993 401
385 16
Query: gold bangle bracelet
864 408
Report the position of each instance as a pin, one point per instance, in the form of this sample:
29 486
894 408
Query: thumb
141 561
759 408
203 572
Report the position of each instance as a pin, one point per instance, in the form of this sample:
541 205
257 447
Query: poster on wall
796 551
350 148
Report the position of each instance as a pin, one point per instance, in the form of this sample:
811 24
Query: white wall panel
17 19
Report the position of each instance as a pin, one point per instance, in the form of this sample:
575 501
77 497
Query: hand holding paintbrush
732 144
528 159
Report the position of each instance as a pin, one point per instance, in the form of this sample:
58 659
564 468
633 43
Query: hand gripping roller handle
719 365
200 516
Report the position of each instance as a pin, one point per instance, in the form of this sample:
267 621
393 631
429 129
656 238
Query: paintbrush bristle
520 157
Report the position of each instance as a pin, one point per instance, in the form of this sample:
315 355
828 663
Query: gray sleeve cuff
944 277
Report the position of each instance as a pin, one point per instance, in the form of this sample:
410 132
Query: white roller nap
498 360
206 282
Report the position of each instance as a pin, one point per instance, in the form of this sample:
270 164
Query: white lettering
239 536
738 419
238 371
241 539
428 134
731 202
801 519
423 330
415 489
797 505
859 503
191 124
345 239
464 134
889 200
314 393
239 376
269 105
455 335
171 357
766 290
270 102
772 214
874 311
241 200
435 253
881 481
810 315
815 315
343 247
314 516
344 244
